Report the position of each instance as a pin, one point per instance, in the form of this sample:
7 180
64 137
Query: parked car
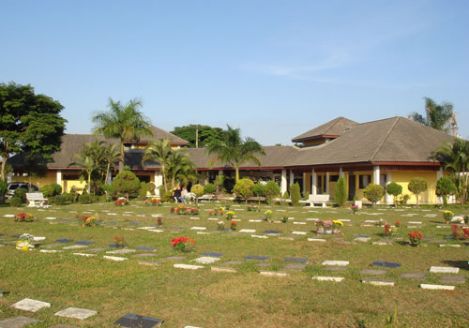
15 185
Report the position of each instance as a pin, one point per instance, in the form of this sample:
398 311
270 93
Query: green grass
243 299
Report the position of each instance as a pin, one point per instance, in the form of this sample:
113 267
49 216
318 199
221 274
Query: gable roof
158 134
333 129
395 139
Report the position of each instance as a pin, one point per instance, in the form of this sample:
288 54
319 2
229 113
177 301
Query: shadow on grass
458 264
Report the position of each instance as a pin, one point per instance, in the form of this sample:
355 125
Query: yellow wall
403 178
49 178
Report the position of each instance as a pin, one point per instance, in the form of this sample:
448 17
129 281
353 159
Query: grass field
242 299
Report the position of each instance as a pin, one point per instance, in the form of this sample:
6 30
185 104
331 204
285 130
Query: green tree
455 158
243 188
210 188
437 116
159 151
271 190
198 190
341 191
180 168
445 187
219 182
295 194
125 183
30 124
373 192
87 164
235 151
124 122
395 190
204 133
417 186
259 191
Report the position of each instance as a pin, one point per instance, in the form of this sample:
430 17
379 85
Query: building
393 149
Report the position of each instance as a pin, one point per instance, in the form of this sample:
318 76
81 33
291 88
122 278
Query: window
333 178
363 181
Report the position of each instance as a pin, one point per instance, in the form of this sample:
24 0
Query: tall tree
180 168
204 133
88 165
124 122
159 151
30 124
235 151
437 116
455 157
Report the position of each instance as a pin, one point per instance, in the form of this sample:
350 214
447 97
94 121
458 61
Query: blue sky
273 68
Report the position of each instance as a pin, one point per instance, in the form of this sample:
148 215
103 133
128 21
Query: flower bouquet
233 225
388 230
25 242
24 217
230 215
447 216
415 237
336 225
153 202
88 220
355 209
121 201
267 215
183 244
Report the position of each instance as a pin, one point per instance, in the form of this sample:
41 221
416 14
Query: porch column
388 198
58 178
158 181
314 179
341 172
327 183
376 174
283 182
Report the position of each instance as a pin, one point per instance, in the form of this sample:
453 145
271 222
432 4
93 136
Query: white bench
208 197
36 199
312 200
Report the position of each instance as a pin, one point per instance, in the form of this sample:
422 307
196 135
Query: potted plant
233 225
447 216
24 217
183 244
336 225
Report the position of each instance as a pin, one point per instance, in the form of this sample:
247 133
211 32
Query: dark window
333 178
364 181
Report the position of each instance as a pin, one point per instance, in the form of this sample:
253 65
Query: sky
273 68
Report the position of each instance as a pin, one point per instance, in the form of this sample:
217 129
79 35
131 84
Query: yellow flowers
337 223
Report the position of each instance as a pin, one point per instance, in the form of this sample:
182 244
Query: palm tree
88 165
110 156
455 157
124 122
235 151
437 116
159 151
180 168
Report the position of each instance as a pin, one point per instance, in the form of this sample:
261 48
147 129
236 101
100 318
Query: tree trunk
108 168
165 183
236 173
89 183
4 164
122 157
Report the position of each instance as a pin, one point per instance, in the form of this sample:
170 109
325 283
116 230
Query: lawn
151 286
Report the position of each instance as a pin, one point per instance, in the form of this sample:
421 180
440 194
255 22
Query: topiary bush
271 190
417 186
51 190
210 188
198 190
142 192
295 194
341 192
373 193
444 188
243 188
395 190
125 183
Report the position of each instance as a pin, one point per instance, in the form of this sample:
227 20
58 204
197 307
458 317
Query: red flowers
415 237
24 217
183 244
459 232
397 224
121 201
184 210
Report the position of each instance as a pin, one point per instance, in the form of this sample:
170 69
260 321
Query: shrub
244 188
444 188
286 195
51 190
63 199
341 192
3 190
86 199
271 190
417 186
21 194
210 188
16 201
219 182
198 190
373 193
295 194
258 190
142 192
165 196
394 189
125 183
151 188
